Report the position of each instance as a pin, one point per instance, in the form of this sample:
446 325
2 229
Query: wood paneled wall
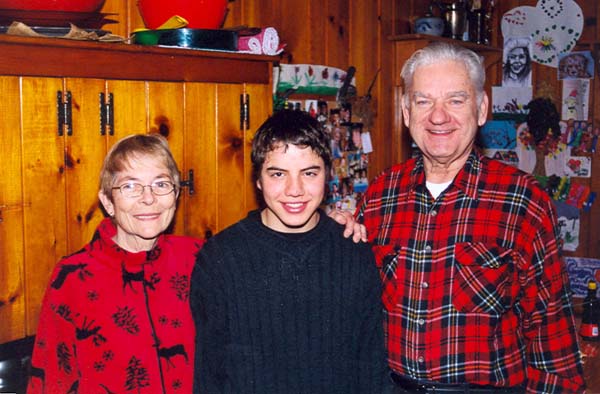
341 33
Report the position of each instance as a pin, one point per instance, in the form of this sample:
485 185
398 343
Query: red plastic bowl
53 5
201 14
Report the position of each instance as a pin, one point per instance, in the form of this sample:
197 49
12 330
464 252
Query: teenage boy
282 302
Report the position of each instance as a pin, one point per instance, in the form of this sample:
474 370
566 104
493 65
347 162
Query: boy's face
292 181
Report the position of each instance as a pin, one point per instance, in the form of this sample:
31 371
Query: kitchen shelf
29 56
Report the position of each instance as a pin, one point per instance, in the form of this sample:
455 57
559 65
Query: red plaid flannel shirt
475 289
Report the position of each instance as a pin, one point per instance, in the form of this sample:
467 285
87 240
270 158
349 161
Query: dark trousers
406 385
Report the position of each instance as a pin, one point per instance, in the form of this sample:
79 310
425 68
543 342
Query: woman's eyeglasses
134 189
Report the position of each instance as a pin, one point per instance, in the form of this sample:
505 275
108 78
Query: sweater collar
255 218
103 243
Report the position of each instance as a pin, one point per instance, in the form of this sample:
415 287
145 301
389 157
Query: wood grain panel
260 110
12 285
200 155
337 31
45 227
130 101
231 175
385 91
118 16
260 13
295 26
166 110
84 153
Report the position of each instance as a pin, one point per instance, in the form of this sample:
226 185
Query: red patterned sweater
117 322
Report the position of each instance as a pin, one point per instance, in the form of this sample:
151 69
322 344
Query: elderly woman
116 317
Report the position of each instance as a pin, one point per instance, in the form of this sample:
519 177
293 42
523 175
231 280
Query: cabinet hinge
244 111
189 183
107 116
64 112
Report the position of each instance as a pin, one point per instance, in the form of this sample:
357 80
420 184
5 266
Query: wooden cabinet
66 103
404 46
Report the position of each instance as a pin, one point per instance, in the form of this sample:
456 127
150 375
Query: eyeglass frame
174 188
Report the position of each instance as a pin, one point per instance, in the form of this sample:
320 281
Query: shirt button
428 248
433 213
421 359
424 285
421 321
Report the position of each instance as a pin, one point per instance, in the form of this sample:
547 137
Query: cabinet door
43 180
217 147
83 155
200 156
12 285
232 171
166 117
130 111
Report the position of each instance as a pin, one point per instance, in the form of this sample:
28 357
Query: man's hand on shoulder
352 227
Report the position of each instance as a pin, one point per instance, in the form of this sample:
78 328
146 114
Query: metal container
456 20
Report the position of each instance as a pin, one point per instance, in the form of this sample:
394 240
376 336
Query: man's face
292 181
517 59
444 116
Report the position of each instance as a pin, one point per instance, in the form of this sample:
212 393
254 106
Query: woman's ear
109 207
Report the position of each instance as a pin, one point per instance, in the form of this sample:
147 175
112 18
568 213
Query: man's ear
109 207
405 109
483 110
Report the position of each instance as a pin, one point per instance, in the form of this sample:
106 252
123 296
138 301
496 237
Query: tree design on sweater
137 375
126 319
63 355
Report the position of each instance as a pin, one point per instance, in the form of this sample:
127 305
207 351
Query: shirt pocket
388 258
482 278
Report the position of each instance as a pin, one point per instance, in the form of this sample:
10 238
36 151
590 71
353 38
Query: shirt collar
466 180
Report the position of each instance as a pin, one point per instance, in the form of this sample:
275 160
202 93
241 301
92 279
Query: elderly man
475 291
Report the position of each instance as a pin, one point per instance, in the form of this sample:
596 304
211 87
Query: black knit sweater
287 313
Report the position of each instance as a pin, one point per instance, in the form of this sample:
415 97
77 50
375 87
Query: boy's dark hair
289 127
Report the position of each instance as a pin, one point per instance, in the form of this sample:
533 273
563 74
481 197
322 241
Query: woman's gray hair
439 52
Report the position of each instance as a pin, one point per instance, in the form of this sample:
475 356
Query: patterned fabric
287 313
474 286
116 322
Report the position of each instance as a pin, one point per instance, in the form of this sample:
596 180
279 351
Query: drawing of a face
517 59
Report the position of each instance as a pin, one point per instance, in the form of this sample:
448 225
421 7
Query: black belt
412 386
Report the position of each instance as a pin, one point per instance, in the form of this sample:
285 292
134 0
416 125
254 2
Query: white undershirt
436 188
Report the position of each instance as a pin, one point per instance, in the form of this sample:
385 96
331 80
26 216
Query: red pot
84 6
201 14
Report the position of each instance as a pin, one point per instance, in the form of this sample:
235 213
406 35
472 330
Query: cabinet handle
189 183
107 118
244 111
63 107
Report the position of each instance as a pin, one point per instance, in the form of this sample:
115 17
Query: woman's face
140 220
517 59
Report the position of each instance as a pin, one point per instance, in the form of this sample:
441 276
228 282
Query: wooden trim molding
57 57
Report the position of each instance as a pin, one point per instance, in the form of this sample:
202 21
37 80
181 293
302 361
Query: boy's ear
258 185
